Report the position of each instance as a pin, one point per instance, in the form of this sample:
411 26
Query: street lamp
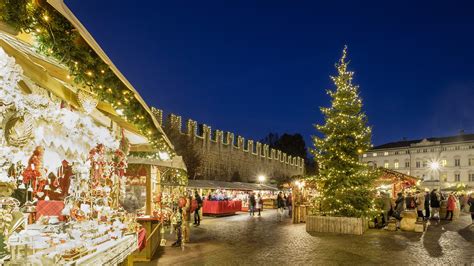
261 179
434 166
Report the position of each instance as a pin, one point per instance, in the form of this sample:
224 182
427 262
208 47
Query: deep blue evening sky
254 68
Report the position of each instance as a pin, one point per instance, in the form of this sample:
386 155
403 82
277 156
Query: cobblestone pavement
244 240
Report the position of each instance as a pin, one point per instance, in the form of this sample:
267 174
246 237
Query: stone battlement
226 144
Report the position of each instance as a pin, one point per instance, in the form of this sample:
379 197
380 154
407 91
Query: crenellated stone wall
225 153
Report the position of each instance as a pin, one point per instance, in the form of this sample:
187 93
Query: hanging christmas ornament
18 129
30 189
22 186
87 100
46 198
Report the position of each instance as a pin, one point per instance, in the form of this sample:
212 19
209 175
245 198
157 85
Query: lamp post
434 166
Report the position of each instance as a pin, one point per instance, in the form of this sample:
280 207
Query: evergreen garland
345 184
57 38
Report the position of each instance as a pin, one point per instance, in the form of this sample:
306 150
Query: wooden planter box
340 225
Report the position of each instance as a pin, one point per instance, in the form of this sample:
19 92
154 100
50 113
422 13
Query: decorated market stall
394 182
226 198
154 184
67 118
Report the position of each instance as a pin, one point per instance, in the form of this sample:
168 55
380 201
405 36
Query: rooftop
441 140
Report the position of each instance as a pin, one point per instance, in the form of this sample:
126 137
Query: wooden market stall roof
54 76
214 184
388 175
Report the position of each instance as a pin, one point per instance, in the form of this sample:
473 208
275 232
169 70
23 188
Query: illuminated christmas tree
345 184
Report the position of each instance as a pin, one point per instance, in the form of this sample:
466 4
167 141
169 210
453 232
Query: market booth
227 198
389 184
154 185
67 120
394 182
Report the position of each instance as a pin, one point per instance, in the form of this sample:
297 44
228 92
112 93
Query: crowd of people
182 217
283 202
427 204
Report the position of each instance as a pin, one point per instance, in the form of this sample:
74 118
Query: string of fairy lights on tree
57 37
345 184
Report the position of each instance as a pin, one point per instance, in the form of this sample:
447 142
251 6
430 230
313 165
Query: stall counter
221 207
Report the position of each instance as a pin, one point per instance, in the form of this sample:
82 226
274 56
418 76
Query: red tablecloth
49 208
221 207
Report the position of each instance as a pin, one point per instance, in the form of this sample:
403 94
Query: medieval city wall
225 153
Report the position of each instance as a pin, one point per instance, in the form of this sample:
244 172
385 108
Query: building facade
438 162
225 154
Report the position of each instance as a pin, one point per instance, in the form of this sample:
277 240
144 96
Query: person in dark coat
252 203
435 204
427 205
471 206
399 206
197 216
410 201
289 204
280 206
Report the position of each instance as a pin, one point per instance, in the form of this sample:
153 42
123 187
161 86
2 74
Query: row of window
424 164
451 148
457 177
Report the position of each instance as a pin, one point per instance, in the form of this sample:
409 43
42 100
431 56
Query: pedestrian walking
462 202
259 203
410 202
187 217
427 205
435 204
451 206
420 203
289 204
177 222
252 203
280 206
471 207
399 206
386 206
197 215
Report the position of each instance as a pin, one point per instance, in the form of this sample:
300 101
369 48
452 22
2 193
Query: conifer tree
345 184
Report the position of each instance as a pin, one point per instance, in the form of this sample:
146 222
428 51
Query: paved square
244 240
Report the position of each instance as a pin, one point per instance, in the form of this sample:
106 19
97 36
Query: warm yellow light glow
261 178
164 156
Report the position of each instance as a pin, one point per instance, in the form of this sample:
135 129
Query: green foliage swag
56 37
345 184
